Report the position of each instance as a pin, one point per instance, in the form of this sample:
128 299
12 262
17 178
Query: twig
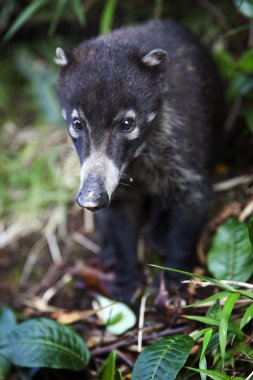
85 242
50 292
54 248
31 260
250 376
132 339
125 358
141 322
88 221
228 282
233 182
246 212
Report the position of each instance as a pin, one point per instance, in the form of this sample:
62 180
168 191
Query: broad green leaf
202 360
116 316
248 315
214 297
107 371
45 343
245 7
107 16
163 359
231 254
223 330
215 375
7 324
7 321
245 62
24 16
250 227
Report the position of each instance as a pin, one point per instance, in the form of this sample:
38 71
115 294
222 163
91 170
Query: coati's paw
125 291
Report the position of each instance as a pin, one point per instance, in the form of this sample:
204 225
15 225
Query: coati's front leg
118 228
175 232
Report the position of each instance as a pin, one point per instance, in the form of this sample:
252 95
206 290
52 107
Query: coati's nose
93 195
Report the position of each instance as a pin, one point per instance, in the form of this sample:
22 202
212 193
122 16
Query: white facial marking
61 58
64 114
73 133
130 113
74 113
151 116
133 135
99 163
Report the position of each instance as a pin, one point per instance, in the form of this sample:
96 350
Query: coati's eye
77 123
127 125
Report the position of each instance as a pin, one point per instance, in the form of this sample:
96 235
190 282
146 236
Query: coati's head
110 94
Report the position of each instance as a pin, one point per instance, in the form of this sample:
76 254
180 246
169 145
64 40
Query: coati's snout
93 194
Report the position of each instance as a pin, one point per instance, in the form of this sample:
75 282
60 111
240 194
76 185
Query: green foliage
221 336
53 10
107 16
107 371
44 343
215 375
163 359
7 324
231 253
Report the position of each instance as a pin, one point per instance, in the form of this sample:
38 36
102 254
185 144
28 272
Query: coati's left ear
155 57
61 57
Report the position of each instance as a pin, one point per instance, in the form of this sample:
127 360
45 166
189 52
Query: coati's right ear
62 58
156 57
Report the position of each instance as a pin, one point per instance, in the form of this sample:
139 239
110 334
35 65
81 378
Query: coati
144 107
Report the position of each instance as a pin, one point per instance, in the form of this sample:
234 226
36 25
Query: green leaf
199 333
202 360
245 7
7 324
23 17
250 227
215 375
225 62
223 330
7 321
245 62
45 343
231 254
107 16
108 369
240 85
206 320
118 375
248 116
248 315
116 316
163 360
78 10
214 311
214 297
60 6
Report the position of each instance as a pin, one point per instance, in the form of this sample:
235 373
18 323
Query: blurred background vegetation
38 172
